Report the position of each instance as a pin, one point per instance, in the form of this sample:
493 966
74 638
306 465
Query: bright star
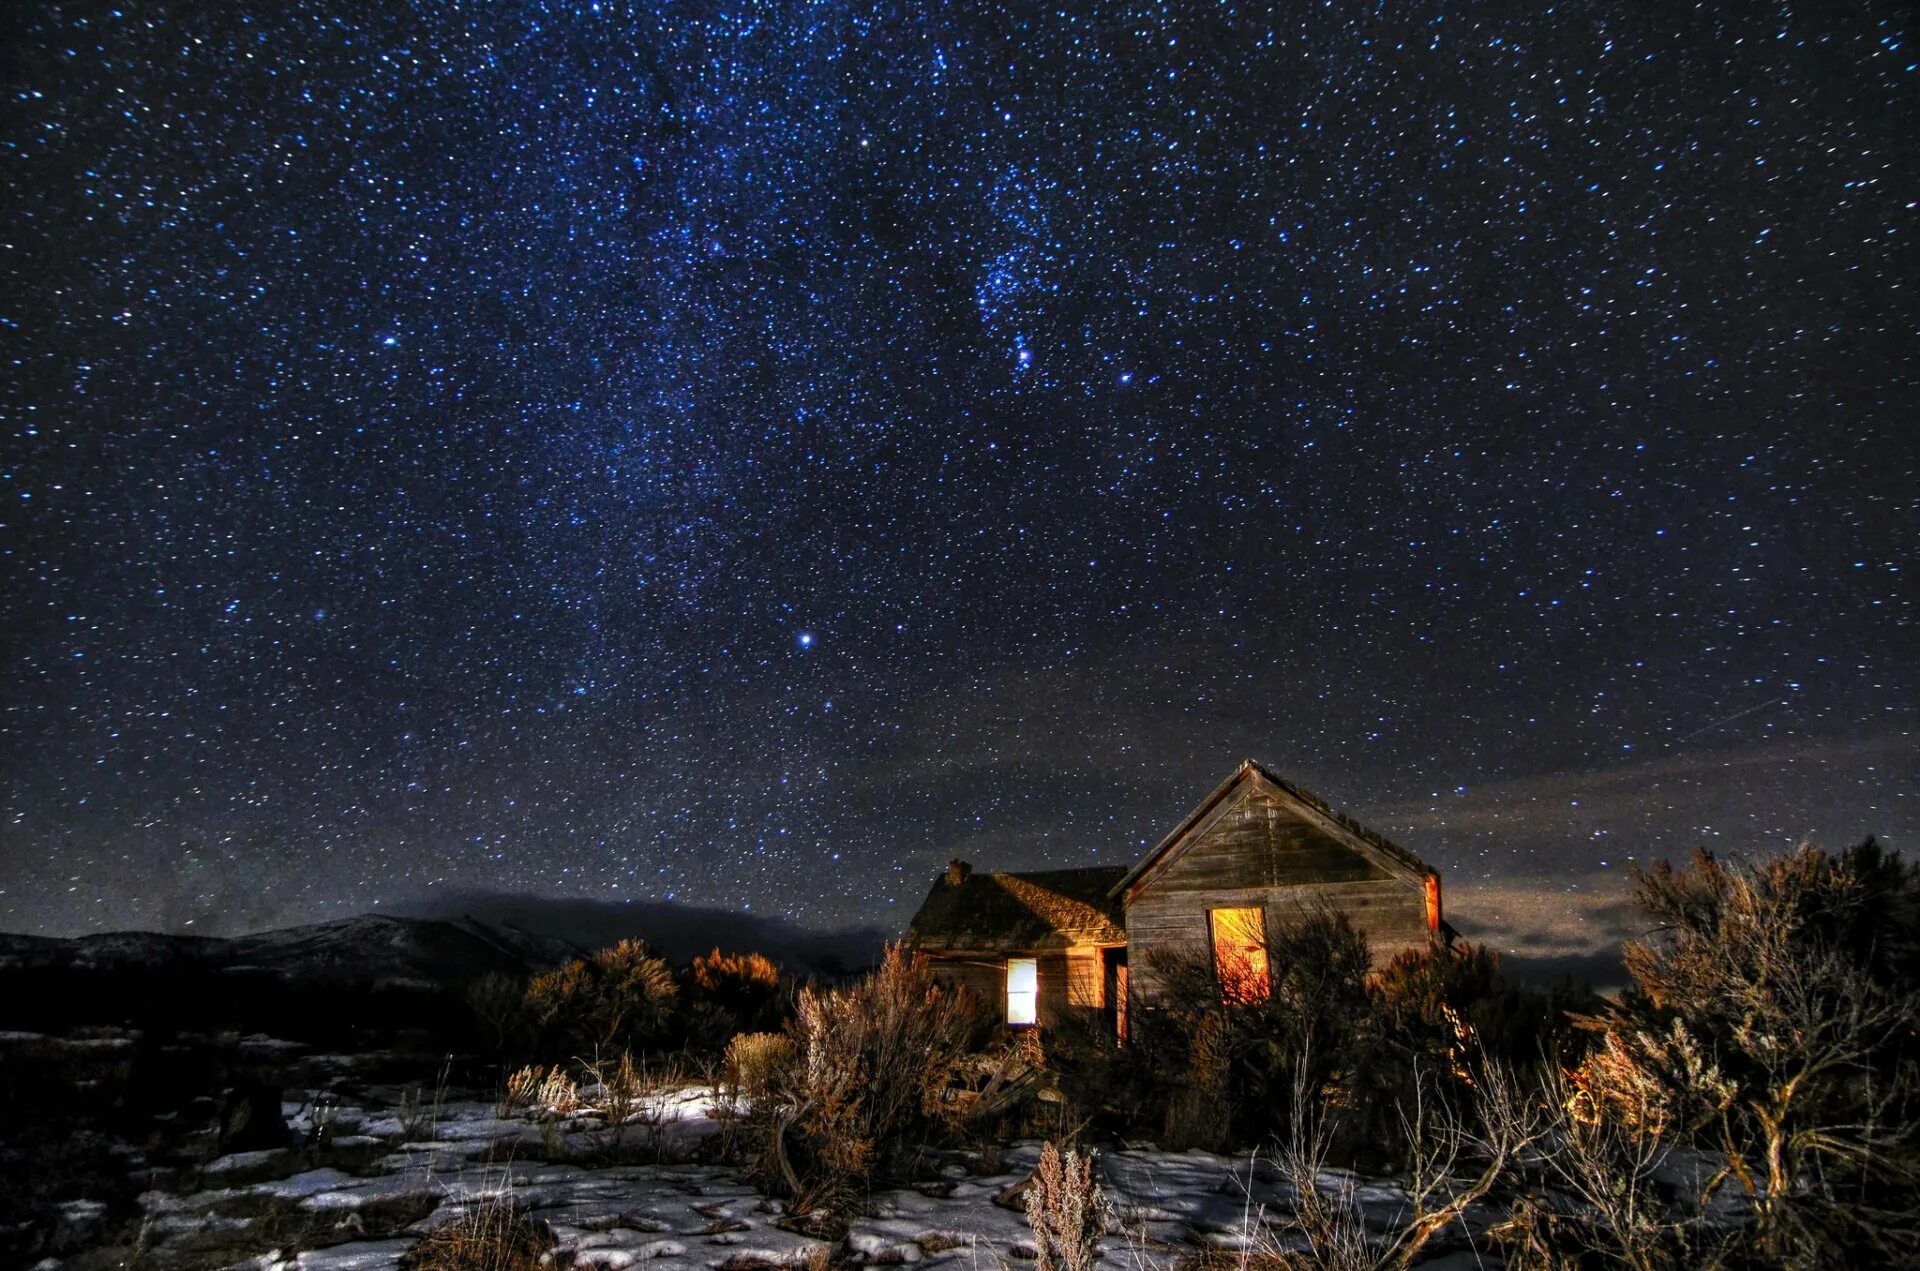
806 639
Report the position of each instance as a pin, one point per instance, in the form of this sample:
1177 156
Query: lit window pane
1240 954
1023 990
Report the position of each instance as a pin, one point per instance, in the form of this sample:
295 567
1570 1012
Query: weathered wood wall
1086 978
1069 980
1259 853
1260 841
983 973
1392 914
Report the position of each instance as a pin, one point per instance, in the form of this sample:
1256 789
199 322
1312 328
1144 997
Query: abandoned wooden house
1257 853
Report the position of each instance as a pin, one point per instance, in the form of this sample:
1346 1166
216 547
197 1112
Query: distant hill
461 939
366 951
679 932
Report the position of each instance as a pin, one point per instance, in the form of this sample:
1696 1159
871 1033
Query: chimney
957 871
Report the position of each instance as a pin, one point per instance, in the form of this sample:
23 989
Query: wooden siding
1253 788
1392 914
1259 841
985 974
1086 978
1258 852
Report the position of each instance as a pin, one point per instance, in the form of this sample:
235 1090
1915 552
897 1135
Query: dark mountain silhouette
367 951
678 932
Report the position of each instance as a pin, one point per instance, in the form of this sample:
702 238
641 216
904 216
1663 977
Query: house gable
1256 830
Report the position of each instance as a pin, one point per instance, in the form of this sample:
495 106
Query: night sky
749 453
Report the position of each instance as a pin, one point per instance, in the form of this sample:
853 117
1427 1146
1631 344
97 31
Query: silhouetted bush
1440 1014
498 1002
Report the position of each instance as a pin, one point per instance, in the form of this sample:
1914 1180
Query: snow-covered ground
385 1187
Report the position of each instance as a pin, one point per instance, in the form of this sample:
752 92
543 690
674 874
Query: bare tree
1455 1163
495 999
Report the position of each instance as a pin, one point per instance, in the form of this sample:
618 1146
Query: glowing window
1023 990
1240 954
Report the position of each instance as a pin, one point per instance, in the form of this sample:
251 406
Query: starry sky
745 454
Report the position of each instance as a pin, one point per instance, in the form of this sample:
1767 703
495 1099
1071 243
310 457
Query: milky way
749 453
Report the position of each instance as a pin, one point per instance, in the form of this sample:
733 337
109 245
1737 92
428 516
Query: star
411 407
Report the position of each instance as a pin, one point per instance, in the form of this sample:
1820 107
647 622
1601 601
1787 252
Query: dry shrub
621 1086
867 1082
1653 1083
490 1235
1774 1022
1241 1055
1594 1194
754 1063
621 998
1451 1001
558 995
558 1094
1454 1163
419 1114
729 993
1067 1210
720 974
1200 1109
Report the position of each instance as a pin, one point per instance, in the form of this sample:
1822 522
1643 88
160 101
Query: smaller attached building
1256 854
1044 942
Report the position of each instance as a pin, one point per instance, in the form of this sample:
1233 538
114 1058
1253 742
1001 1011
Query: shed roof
1015 912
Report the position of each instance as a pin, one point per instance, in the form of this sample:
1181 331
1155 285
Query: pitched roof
1390 856
1014 912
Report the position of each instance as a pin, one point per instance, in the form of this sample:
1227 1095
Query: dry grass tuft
522 1088
491 1235
754 1063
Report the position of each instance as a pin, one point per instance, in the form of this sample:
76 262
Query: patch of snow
684 1217
364 1255
303 1185
254 1164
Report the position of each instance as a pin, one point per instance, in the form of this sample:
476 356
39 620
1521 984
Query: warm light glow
1023 991
1240 954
